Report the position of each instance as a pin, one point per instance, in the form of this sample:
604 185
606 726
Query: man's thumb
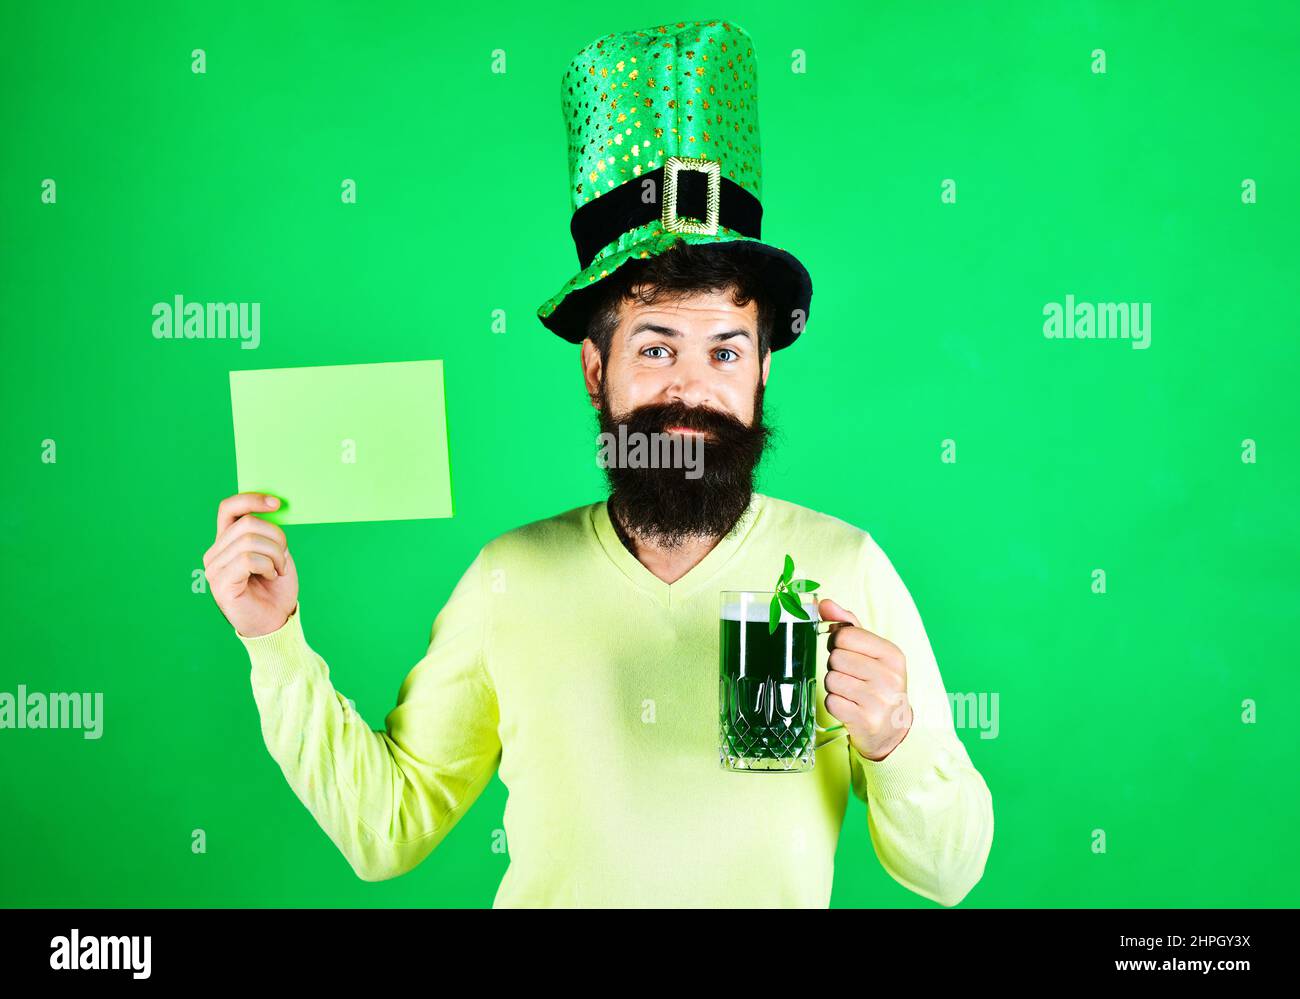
831 611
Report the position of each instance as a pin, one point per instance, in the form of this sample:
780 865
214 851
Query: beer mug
767 684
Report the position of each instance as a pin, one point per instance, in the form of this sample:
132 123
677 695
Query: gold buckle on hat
712 169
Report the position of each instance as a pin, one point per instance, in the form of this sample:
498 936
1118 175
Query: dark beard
664 507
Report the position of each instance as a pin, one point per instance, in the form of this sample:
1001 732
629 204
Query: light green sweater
590 686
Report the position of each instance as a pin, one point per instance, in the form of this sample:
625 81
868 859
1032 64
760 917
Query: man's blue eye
726 350
648 349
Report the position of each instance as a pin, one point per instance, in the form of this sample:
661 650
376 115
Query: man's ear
591 371
767 364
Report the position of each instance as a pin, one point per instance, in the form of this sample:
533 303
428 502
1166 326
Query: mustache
658 417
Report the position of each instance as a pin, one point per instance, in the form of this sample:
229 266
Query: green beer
767 696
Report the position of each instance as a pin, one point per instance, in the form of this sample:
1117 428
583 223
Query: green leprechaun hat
664 146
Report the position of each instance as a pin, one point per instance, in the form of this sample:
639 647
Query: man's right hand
249 569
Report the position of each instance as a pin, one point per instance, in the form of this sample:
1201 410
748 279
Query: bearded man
647 762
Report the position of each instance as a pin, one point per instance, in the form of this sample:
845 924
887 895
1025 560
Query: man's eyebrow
652 328
730 333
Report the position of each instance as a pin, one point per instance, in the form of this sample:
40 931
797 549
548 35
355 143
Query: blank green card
344 442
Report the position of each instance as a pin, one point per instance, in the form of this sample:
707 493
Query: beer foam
758 610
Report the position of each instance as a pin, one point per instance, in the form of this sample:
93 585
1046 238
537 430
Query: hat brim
566 312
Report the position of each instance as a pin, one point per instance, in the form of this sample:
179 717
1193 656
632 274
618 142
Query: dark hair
677 272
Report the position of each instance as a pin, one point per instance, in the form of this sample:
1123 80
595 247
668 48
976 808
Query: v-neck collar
672 594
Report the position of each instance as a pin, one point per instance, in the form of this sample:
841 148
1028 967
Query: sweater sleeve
929 811
387 797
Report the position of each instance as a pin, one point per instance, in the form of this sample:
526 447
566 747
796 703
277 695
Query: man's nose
689 386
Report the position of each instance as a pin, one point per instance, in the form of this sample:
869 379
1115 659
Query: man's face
688 366
700 351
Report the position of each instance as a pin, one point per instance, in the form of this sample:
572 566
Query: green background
1119 711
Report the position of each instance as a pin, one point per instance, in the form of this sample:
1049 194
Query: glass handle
825 628
833 728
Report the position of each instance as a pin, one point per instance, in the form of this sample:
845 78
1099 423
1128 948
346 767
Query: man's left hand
866 684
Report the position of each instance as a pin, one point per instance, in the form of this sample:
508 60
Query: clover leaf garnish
786 588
